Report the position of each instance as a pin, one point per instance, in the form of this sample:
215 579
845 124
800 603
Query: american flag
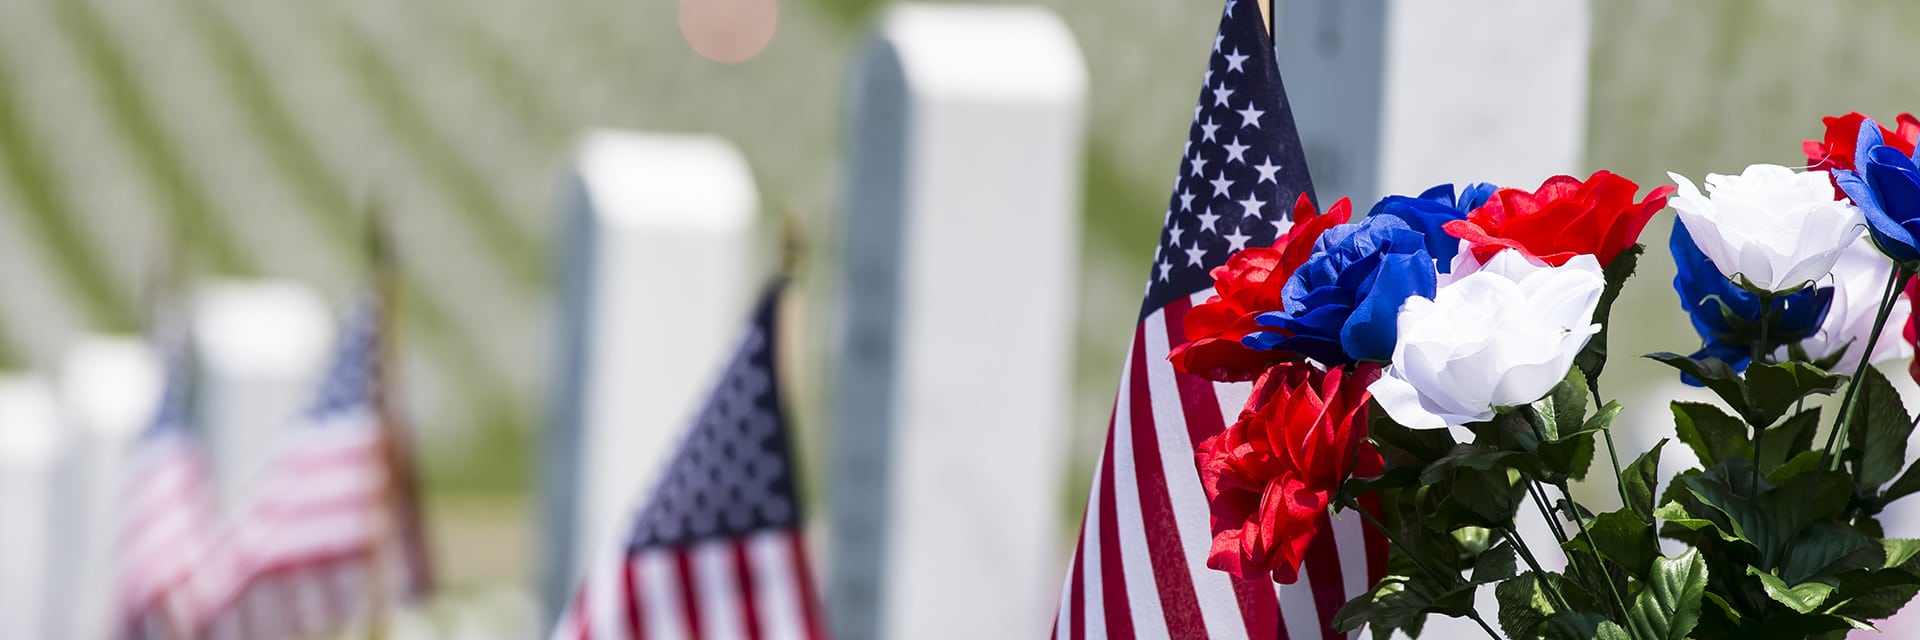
717 552
169 515
1139 569
318 544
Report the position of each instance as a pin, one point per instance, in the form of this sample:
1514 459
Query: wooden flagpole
398 509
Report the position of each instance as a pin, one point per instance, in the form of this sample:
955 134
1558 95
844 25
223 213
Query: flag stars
1196 255
1236 152
1221 185
1217 40
1266 168
1220 95
1235 60
1250 116
1236 240
1252 205
1199 163
1207 130
1207 220
1175 233
1164 268
1186 199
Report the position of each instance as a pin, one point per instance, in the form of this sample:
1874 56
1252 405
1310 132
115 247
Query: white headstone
260 348
109 388
659 269
960 250
1394 96
32 445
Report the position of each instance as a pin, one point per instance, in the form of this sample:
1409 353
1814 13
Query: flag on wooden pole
168 512
1139 568
717 550
307 551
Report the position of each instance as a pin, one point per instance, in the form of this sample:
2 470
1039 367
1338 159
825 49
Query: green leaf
1593 357
1563 410
1773 389
1604 418
1623 538
1490 495
1715 374
1669 605
1494 565
1806 461
1789 439
1904 486
1713 435
1803 598
1877 437
1523 605
1641 482
1900 551
1581 625
1827 548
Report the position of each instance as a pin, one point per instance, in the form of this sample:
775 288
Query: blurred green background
249 137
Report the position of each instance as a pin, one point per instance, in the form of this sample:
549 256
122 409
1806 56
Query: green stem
1619 599
1841 424
1759 351
1526 553
1435 575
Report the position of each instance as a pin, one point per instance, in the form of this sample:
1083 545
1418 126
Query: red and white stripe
295 561
165 535
756 587
1139 569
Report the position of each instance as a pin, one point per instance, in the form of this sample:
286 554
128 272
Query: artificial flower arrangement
1441 359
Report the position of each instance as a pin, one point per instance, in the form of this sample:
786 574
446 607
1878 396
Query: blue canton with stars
350 379
733 473
1242 167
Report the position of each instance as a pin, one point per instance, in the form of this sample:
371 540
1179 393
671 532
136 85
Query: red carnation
1270 477
1248 285
1912 331
1563 219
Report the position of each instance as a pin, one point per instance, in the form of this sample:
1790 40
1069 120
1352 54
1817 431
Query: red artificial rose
1248 285
1563 219
1835 149
1270 477
1912 331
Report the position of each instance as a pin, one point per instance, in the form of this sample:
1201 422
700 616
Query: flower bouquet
1440 362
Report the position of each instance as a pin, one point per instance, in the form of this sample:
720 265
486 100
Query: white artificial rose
1773 227
1859 277
1502 335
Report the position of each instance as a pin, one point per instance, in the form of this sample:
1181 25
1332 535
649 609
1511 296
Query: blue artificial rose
1719 308
1886 187
1432 209
1342 305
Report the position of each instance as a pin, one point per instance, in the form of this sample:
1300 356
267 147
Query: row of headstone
65 441
957 271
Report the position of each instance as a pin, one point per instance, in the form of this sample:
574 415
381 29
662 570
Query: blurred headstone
953 387
108 386
1394 96
659 269
32 445
260 346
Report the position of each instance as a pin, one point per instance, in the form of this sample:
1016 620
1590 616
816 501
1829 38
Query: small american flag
318 543
717 551
1139 569
169 516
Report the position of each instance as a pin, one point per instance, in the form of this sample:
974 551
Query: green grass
191 211
53 220
470 191
330 204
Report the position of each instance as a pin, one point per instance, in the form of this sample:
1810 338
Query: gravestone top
666 179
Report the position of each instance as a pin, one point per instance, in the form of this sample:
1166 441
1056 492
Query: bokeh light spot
729 31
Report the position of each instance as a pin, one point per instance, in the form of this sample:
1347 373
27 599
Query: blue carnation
1715 305
1343 305
1433 209
1886 186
